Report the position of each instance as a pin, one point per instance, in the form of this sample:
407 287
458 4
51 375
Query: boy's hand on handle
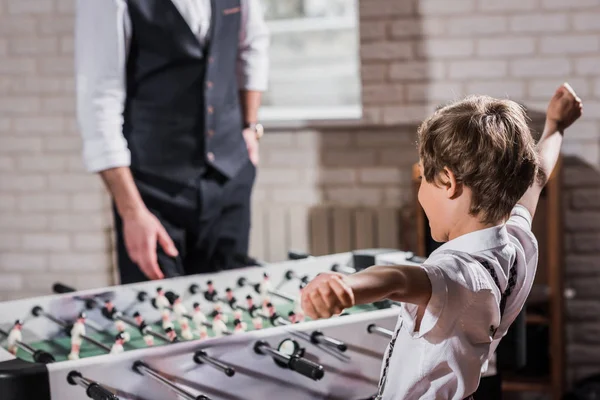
564 108
326 295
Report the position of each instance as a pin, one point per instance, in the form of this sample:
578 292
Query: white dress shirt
102 36
461 327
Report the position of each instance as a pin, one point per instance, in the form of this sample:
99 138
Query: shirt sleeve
456 284
101 41
253 57
520 217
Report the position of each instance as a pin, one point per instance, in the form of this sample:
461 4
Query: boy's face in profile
435 203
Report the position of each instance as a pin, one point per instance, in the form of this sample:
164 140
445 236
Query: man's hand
252 145
326 295
141 231
564 108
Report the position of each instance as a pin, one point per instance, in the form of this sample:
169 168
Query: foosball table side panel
349 375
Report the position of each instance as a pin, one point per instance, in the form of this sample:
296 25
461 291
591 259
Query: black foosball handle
97 392
306 367
297 255
61 288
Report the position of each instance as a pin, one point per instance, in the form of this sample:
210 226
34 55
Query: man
168 93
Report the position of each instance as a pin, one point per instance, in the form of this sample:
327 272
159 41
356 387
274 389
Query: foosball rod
143 369
200 357
61 288
39 356
295 363
37 311
241 282
94 303
386 333
93 390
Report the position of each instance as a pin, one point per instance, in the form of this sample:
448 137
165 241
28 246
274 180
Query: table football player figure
15 335
110 312
144 329
162 303
265 287
76 332
218 325
117 347
239 326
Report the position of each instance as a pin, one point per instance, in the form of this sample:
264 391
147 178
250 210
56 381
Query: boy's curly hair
488 146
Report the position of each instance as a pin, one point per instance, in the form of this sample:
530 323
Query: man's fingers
319 305
149 261
165 241
308 307
342 292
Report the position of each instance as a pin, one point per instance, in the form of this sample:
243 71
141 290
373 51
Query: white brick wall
55 218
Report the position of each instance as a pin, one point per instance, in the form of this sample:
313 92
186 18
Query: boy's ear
453 188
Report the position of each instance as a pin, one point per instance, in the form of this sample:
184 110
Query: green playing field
60 346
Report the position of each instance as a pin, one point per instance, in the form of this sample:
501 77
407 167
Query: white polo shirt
461 327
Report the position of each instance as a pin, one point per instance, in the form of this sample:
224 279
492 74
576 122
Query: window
314 59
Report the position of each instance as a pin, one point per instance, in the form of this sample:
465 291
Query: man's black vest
182 110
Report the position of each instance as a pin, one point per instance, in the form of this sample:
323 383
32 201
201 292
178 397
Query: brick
558 4
46 241
417 71
296 196
585 150
67 45
498 88
354 196
66 6
477 69
337 176
434 91
433 26
20 262
535 68
586 242
580 176
9 241
17 66
23 183
445 7
507 5
586 21
445 48
30 6
477 25
349 158
43 281
388 138
279 140
289 158
586 287
573 44
92 202
93 261
585 199
91 242
410 114
386 51
374 73
20 145
597 88
539 23
382 175
7 163
372 30
583 310
583 354
278 176
34 46
68 144
78 222
405 28
23 223
336 139
371 115
17 26
3 47
62 104
582 265
93 281
588 66
544 89
394 197
43 202
37 124
75 163
57 66
402 157
35 85
8 202
505 46
43 163
382 94
384 8
11 282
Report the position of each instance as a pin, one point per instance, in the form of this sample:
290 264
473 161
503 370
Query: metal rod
386 333
144 369
274 353
201 357
319 338
284 296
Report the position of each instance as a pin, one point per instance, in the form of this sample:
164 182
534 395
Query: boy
481 180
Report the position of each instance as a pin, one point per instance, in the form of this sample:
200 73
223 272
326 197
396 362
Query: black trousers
209 222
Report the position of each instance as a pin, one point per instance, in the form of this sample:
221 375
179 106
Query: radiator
322 229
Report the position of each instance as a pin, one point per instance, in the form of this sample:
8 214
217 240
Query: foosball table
235 335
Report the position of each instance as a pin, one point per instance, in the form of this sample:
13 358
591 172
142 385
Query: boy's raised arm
564 109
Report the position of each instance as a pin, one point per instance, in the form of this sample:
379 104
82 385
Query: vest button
211 60
209 84
211 109
210 156
210 133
